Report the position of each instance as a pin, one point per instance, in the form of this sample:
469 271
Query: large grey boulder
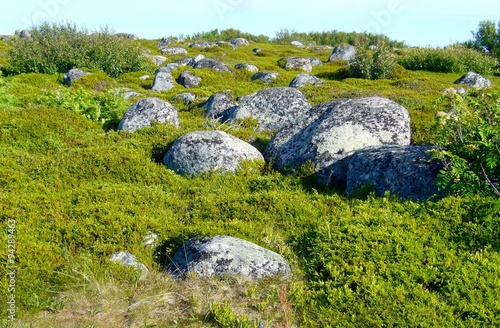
303 79
146 111
174 51
240 42
204 151
343 52
157 60
225 255
330 132
213 64
202 44
266 77
296 63
273 108
248 67
164 80
475 80
218 104
405 171
73 75
188 80
165 42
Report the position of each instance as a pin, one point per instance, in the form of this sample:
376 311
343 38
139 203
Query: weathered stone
127 93
146 111
186 61
240 42
405 171
165 42
169 67
144 77
5 38
174 51
186 97
213 64
248 67
204 151
458 90
303 79
297 44
266 77
225 255
188 80
256 50
129 36
314 61
127 259
24 34
296 63
343 52
74 74
202 44
217 105
273 108
475 80
163 81
330 132
157 60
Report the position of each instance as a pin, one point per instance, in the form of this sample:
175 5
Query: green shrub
377 65
57 48
468 140
456 59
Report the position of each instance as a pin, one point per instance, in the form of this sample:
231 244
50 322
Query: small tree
487 38
372 65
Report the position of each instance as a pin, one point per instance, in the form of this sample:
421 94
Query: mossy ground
79 191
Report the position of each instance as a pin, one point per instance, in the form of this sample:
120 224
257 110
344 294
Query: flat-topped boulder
266 77
240 42
146 111
218 104
474 80
204 151
174 51
303 78
164 80
213 64
188 80
296 63
343 52
248 67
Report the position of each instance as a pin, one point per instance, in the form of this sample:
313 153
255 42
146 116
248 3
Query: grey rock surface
314 61
266 77
225 255
297 63
272 107
188 80
74 74
330 132
204 151
248 67
213 64
165 42
343 52
217 105
186 97
404 171
202 44
127 259
157 60
163 81
146 111
240 42
303 79
475 80
174 51
297 44
129 36
25 34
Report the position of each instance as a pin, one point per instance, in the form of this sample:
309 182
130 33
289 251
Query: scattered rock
202 44
127 259
373 47
24 34
163 81
158 60
314 61
266 77
240 42
273 108
195 60
146 111
225 255
475 80
303 79
248 67
213 64
126 92
127 36
165 42
404 171
204 151
297 44
256 50
174 51
458 90
330 132
144 77
186 97
343 52
5 38
186 61
188 80
73 74
170 67
217 105
150 239
296 63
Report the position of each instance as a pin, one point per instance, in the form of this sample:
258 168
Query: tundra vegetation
78 191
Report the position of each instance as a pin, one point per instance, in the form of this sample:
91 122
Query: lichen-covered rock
157 60
202 44
330 132
186 97
297 44
213 64
165 42
405 171
225 255
127 259
475 80
248 67
129 36
240 42
314 61
303 79
163 81
266 77
273 108
24 34
74 74
218 104
188 80
343 52
204 151
146 111
174 51
296 63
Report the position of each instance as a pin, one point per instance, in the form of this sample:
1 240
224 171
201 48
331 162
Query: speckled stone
146 111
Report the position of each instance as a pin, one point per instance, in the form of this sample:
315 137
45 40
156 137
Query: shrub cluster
57 48
373 65
455 59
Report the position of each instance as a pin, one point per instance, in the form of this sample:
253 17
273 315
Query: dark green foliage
228 35
469 144
486 38
373 65
454 59
57 48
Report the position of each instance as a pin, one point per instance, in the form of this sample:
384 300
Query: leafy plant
468 141
486 38
372 65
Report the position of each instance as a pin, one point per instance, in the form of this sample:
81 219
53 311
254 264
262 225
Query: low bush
373 65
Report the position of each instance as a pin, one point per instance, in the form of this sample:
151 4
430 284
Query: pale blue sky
418 23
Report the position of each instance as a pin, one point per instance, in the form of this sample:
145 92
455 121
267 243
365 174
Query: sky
434 23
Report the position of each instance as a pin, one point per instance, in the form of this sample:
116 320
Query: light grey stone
314 61
74 74
296 63
240 42
303 79
174 51
272 107
248 67
188 80
405 171
129 36
213 64
225 255
146 111
186 97
163 81
266 77
127 259
157 60
343 52
330 132
297 44
217 105
474 80
202 44
165 42
204 151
